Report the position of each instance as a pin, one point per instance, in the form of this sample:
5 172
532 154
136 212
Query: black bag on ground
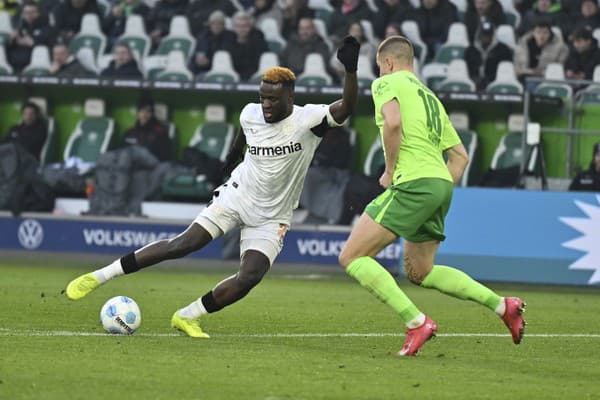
501 177
203 164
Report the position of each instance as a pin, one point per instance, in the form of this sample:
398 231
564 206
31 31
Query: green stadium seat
176 69
90 36
469 139
5 28
412 32
506 81
214 138
315 73
375 160
509 152
322 9
455 46
135 37
555 71
5 68
266 61
222 69
179 38
434 74
271 31
40 62
92 134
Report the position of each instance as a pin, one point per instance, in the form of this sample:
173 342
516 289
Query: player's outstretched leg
457 284
253 267
193 238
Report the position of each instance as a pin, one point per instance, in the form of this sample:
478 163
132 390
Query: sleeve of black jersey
321 129
235 153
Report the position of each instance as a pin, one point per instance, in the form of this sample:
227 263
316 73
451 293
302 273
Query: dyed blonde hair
281 75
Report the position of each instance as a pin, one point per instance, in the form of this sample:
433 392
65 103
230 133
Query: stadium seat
367 27
222 69
214 138
591 94
555 71
461 6
506 81
412 32
179 38
90 35
314 73
51 143
506 35
509 153
87 59
365 72
5 68
104 61
596 34
321 29
433 74
510 12
375 160
176 69
92 134
372 6
469 138
153 65
40 62
455 45
457 79
5 28
135 37
322 8
270 29
267 60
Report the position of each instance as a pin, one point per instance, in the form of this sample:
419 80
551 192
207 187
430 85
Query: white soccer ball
120 316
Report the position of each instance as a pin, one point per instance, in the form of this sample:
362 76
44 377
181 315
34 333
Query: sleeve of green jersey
382 92
449 138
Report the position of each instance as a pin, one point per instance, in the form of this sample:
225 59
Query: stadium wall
492 234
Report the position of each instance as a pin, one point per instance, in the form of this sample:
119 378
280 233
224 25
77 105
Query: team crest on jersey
270 151
381 87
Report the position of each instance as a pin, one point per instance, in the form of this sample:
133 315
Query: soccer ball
120 316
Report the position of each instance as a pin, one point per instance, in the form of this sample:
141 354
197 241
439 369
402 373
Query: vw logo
31 234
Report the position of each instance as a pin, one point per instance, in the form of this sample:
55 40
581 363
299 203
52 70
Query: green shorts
415 209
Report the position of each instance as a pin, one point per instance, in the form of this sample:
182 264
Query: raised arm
392 137
457 161
348 55
235 153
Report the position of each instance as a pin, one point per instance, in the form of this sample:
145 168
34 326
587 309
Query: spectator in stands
68 16
64 64
114 23
484 55
550 10
293 11
33 30
589 16
367 49
123 65
393 29
214 37
306 41
349 11
248 45
31 133
434 18
159 19
390 11
584 55
480 11
199 11
522 6
263 9
537 49
149 132
589 180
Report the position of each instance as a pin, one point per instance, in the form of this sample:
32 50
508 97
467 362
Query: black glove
348 53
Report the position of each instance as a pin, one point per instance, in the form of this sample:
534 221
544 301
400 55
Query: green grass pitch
295 336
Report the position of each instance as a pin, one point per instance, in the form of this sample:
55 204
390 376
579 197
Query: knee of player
248 279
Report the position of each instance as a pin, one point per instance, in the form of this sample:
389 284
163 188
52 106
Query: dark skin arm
235 152
341 109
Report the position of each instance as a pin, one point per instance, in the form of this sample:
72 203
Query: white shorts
220 216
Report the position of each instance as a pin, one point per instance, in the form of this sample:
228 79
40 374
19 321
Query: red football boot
513 317
416 337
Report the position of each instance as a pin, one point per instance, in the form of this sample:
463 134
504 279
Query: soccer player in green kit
416 132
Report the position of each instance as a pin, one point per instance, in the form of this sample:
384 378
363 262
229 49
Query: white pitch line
27 333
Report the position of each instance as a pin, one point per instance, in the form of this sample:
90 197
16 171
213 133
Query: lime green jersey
426 128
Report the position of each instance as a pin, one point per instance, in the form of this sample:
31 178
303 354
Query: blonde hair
281 75
398 47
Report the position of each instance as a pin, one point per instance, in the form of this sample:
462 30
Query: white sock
194 310
110 271
416 321
501 309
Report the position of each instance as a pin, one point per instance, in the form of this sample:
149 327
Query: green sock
377 280
457 284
